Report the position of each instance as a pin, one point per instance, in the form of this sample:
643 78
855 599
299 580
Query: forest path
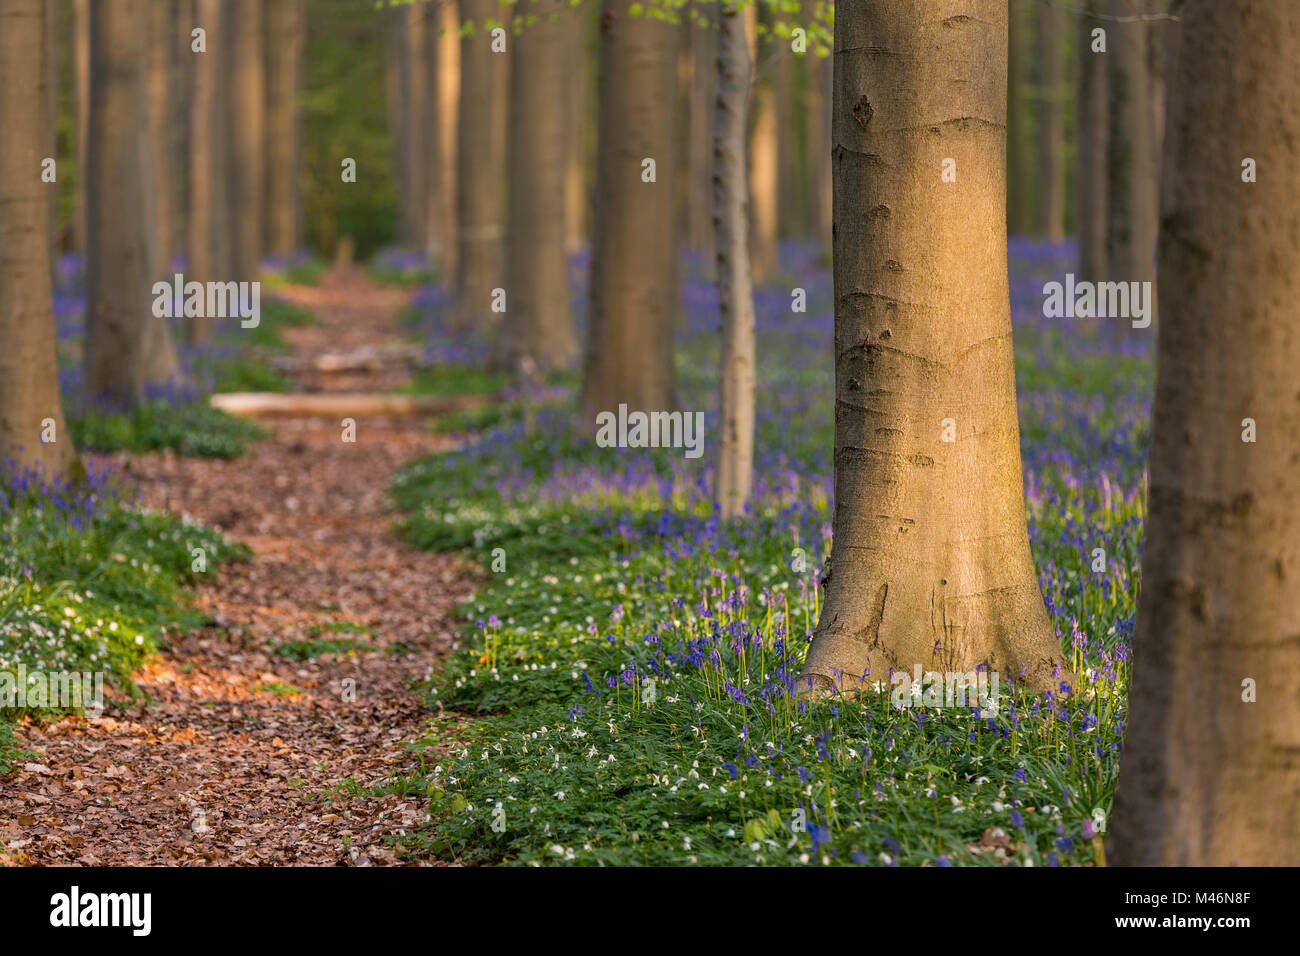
241 755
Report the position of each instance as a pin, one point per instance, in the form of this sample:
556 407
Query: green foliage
189 429
309 650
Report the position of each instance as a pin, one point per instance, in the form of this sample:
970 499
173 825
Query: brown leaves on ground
238 754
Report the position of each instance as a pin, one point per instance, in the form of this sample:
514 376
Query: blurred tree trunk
480 169
930 562
1210 774
118 255
1019 201
209 245
762 156
819 147
735 289
789 191
29 371
442 147
703 78
577 197
538 326
1051 123
284 44
435 198
634 290
51 55
246 132
158 60
1131 210
81 70
1091 152
412 74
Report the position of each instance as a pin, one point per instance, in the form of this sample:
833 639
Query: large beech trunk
1210 774
930 564
538 326
634 291
29 373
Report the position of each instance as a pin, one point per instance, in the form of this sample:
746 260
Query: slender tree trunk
930 564
1211 769
447 38
703 79
435 198
1019 200
539 326
736 373
415 203
29 371
1091 164
789 197
762 158
1131 211
577 197
819 147
634 291
49 40
480 170
119 295
158 75
209 244
1051 122
159 358
284 42
246 131
81 69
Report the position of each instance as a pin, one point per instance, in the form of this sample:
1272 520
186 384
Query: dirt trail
227 763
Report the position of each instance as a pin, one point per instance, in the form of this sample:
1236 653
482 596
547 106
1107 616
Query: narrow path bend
226 763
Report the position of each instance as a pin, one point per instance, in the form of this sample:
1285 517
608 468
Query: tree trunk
576 194
158 66
246 131
443 154
819 146
50 41
118 280
81 69
930 564
634 291
209 243
1090 169
789 193
1051 123
284 42
1019 201
480 168
703 78
538 326
29 371
762 158
415 203
435 197
1131 210
1207 778
735 292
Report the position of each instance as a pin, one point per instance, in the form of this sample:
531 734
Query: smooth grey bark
930 562
246 133
538 327
1091 180
1207 778
209 244
1051 122
29 372
736 370
284 44
634 283
480 170
119 295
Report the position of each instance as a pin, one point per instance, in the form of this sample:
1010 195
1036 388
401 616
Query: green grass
309 650
450 380
190 429
97 593
276 316
277 688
